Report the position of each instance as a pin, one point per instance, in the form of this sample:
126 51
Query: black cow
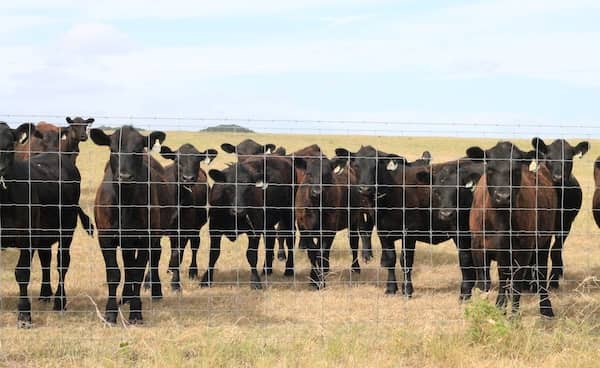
452 184
128 211
401 204
558 158
19 211
249 197
191 198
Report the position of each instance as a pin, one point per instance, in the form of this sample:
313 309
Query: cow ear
426 157
338 165
344 154
261 184
539 145
229 148
155 136
90 121
581 149
424 177
69 120
392 162
300 163
168 153
217 176
99 137
269 148
470 178
23 132
475 153
209 155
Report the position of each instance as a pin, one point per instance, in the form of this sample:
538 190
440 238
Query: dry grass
351 323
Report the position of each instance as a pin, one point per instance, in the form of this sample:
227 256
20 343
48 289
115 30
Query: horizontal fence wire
325 234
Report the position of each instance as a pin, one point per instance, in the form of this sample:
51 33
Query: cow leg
195 245
541 276
481 264
353 239
155 253
407 257
215 252
269 237
252 257
557 262
388 261
177 249
23 276
465 261
504 278
316 271
113 278
63 263
290 239
45 256
365 231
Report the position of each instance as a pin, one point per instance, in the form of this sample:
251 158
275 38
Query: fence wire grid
326 218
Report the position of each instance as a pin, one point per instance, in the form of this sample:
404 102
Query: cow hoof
368 257
463 298
193 273
135 318
391 291
175 287
110 318
281 256
407 290
157 296
254 285
547 313
60 304
288 272
24 320
554 284
355 270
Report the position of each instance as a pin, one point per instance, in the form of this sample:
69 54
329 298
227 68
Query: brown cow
512 221
128 210
56 139
323 208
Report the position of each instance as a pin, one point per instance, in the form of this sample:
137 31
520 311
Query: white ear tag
338 170
156 147
533 166
64 137
207 160
268 152
470 185
23 138
261 184
580 155
392 165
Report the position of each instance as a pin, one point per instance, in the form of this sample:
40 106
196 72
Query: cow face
503 164
242 188
248 148
8 138
558 157
372 167
318 172
188 160
79 128
449 186
127 150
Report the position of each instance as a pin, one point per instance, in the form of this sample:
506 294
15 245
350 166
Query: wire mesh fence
326 218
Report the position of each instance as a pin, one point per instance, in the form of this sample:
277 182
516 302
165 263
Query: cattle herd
501 203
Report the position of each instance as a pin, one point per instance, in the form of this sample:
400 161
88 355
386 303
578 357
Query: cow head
372 167
242 189
503 164
558 157
9 138
248 148
79 128
188 160
451 187
127 150
318 171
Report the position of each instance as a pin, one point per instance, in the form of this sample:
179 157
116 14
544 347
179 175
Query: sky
405 67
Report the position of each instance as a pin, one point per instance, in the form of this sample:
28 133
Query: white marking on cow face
156 147
365 217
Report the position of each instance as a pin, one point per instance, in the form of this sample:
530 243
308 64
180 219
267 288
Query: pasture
350 323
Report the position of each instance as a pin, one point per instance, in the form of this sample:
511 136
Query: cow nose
502 197
315 192
557 177
363 189
189 178
446 213
125 176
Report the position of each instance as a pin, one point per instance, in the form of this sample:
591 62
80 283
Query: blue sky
431 67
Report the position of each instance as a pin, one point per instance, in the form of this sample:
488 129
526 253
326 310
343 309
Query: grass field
351 323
